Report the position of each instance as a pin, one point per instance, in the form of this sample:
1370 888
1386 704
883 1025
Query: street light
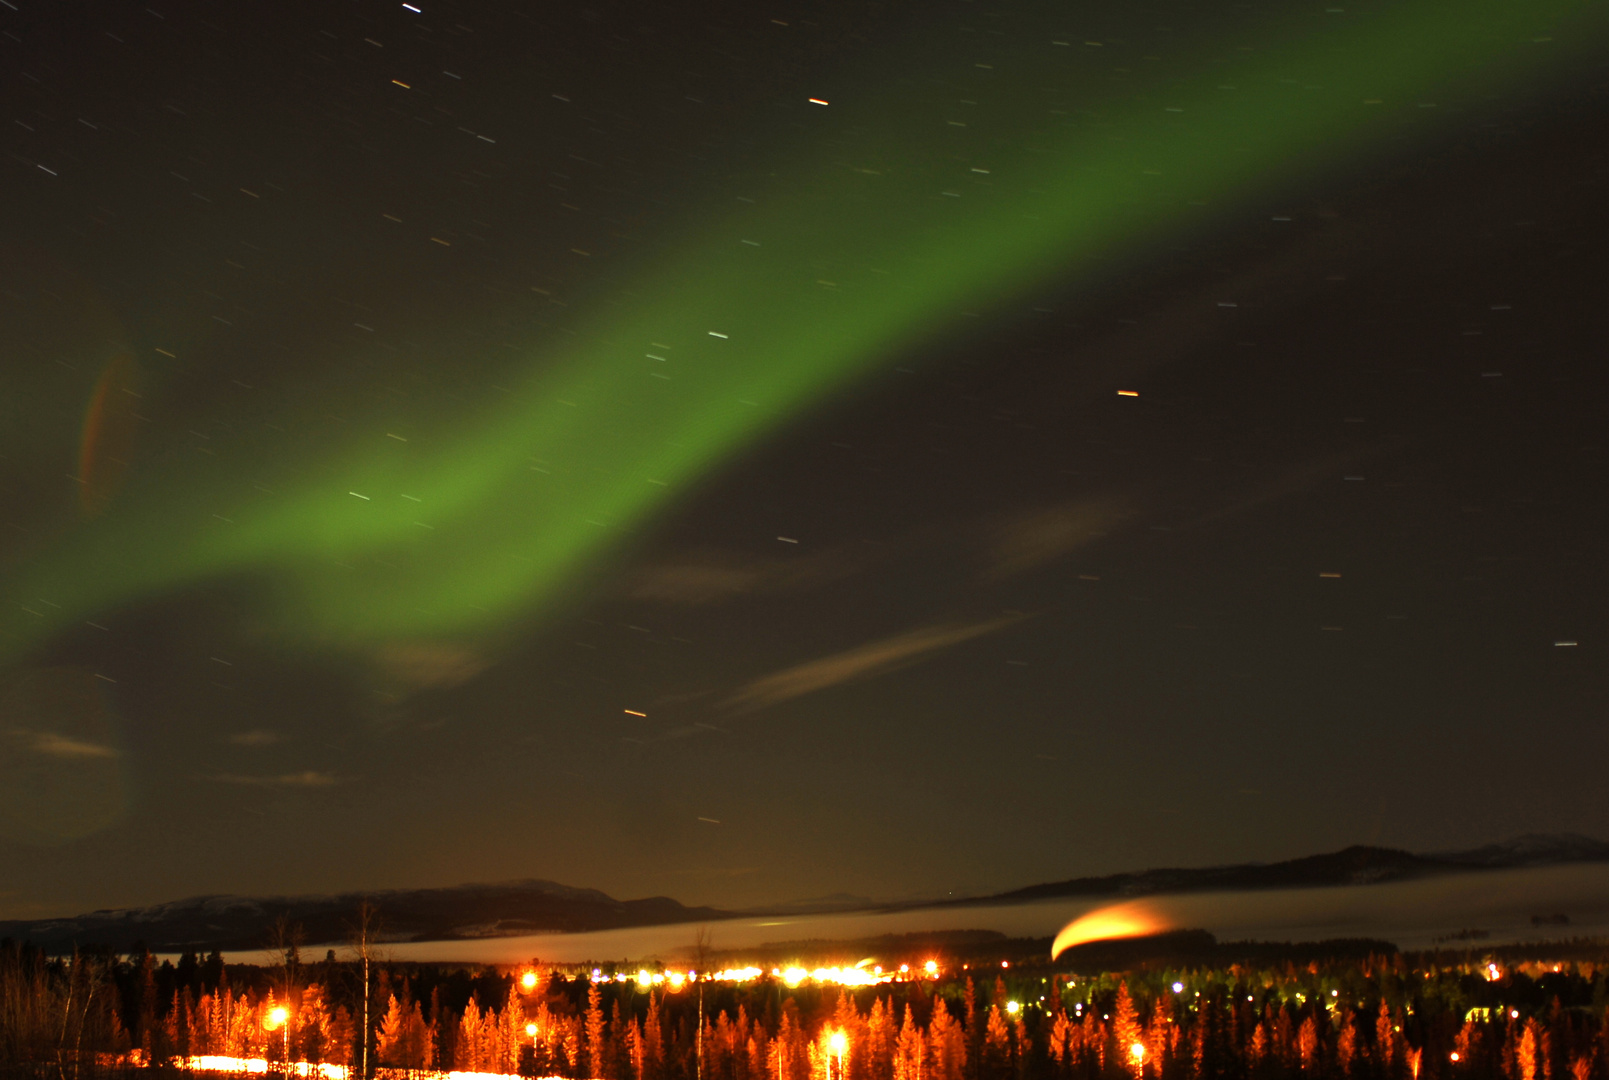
528 980
279 1018
837 1042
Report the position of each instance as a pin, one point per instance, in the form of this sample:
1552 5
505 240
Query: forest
1381 1017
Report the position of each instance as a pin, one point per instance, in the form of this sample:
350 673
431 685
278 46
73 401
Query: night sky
508 440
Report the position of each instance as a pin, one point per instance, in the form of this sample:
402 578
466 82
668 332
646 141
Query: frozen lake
1411 914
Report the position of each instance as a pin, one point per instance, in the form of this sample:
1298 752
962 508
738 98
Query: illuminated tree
910 1051
1526 1052
1125 1022
510 1033
790 1050
634 1049
313 1025
1307 1044
653 1041
879 1042
1385 1039
390 1037
996 1063
467 1049
946 1044
595 1032
1283 1040
1346 1041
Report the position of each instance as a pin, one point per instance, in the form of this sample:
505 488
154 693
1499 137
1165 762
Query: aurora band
757 312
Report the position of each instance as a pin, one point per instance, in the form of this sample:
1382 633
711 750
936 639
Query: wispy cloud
60 746
711 577
309 778
1031 540
259 737
430 665
863 661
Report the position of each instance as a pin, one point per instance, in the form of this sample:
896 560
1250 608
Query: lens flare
107 441
1134 919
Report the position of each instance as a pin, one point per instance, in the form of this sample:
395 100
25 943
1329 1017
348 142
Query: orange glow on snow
261 1067
1134 919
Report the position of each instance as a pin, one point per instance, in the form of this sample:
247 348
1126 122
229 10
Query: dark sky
961 619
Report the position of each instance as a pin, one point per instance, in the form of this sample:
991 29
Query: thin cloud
863 661
53 745
713 577
1031 540
258 737
309 778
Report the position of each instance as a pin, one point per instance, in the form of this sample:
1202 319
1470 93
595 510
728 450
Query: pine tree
879 1055
595 1032
1062 1033
946 1044
1526 1054
1125 1025
996 1063
653 1041
634 1049
511 1032
1346 1041
466 1050
1307 1044
910 1051
1385 1041
388 1042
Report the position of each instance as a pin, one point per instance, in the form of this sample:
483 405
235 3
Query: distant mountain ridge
460 912
534 906
1355 865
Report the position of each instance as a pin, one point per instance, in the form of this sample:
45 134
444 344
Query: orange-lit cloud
1134 919
863 661
308 778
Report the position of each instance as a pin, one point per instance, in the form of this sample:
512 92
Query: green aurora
864 247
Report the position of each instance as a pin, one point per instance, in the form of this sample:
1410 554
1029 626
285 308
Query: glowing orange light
838 1041
1137 1053
1453 1055
1128 393
528 980
931 967
276 1018
1133 919
259 1067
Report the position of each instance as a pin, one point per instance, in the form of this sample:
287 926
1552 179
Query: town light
1013 1008
931 967
528 980
1137 1054
276 1018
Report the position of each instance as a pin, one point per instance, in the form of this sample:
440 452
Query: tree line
1379 1019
